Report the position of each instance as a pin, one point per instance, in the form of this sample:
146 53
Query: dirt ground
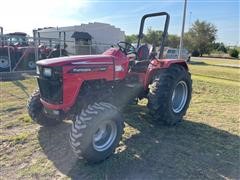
206 145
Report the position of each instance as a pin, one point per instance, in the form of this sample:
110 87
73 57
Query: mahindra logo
88 69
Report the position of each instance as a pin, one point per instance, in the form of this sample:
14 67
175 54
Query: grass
19 138
232 74
215 69
204 146
216 61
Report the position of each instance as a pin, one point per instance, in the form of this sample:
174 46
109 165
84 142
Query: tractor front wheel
37 113
96 132
170 94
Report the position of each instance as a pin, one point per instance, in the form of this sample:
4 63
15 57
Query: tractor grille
51 89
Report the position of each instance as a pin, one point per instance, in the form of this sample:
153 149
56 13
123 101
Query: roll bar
165 32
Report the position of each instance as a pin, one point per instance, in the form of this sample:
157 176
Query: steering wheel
126 47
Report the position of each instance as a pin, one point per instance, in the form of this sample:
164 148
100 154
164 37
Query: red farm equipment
18 53
91 90
14 49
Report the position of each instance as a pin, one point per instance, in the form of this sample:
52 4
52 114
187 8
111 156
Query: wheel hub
179 96
31 64
4 62
104 136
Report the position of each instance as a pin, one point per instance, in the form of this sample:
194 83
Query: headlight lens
47 72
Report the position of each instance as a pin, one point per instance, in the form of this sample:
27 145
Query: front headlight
47 72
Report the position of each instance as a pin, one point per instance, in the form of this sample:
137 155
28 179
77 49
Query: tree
172 41
152 37
131 38
233 53
188 41
219 47
201 37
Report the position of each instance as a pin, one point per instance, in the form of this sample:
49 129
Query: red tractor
15 48
16 51
92 89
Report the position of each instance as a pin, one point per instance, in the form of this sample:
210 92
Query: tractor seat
142 61
143 53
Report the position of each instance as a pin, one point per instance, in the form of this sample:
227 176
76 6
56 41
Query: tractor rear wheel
170 94
96 132
37 113
29 62
4 63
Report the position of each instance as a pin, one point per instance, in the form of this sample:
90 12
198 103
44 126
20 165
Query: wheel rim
31 64
4 62
179 96
104 136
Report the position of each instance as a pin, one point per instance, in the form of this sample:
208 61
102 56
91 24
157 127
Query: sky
26 15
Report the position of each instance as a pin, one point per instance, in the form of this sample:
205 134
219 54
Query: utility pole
190 18
183 25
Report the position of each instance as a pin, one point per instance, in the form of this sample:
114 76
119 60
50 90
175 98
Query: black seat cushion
143 53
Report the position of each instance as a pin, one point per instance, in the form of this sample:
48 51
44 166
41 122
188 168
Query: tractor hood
77 60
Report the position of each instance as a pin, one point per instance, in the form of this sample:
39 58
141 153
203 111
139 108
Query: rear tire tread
160 94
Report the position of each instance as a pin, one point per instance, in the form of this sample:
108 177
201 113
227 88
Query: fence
19 52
